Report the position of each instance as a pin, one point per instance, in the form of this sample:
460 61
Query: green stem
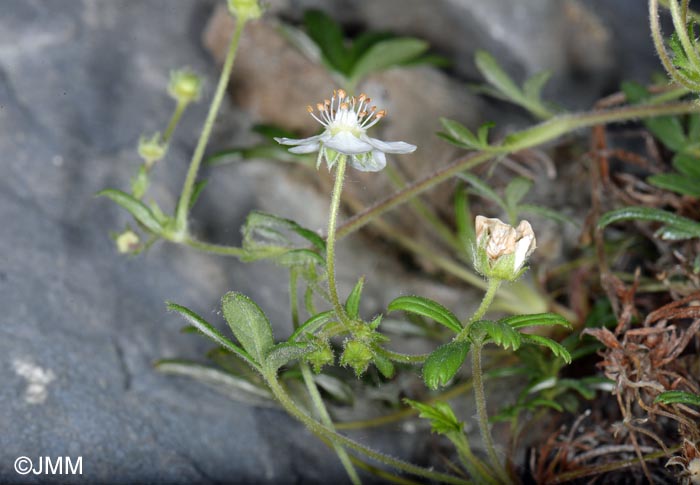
480 399
681 27
330 243
174 120
402 358
476 468
326 420
184 202
539 134
293 296
660 47
214 248
491 289
318 428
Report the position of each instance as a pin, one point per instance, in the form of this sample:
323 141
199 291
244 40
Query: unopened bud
152 149
321 356
245 9
185 86
357 355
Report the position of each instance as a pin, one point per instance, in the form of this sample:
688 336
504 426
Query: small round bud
127 242
245 9
184 86
357 355
321 356
152 149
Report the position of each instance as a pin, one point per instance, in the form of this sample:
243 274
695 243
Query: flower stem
318 428
183 204
491 290
213 248
330 243
326 420
480 398
174 120
539 134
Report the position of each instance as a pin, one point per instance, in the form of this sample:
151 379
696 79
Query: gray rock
81 326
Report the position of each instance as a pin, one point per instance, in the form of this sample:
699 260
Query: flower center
347 113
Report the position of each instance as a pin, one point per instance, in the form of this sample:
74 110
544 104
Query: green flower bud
502 250
127 242
152 149
321 356
245 9
357 355
185 86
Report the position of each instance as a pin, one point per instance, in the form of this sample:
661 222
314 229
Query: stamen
320 107
342 94
309 109
381 113
344 106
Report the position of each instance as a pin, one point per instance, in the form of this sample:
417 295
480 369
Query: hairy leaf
249 324
442 365
427 308
138 209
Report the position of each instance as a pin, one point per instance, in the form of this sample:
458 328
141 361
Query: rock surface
81 326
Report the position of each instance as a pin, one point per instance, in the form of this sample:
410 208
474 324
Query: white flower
346 120
502 250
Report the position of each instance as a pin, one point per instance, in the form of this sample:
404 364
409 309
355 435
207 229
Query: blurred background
81 325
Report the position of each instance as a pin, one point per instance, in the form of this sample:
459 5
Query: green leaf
232 386
460 133
463 220
536 320
496 76
516 190
328 36
483 189
678 397
676 182
208 330
363 42
352 305
681 225
532 87
556 348
386 54
197 191
634 92
443 363
442 418
688 164
312 324
669 130
285 352
249 324
499 333
483 133
269 236
300 257
137 208
428 308
384 366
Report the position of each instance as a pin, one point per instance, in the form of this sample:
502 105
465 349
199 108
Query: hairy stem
174 120
539 134
326 420
491 290
186 194
480 398
318 428
330 243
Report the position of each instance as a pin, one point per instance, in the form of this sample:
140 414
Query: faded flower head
245 9
501 249
346 120
127 242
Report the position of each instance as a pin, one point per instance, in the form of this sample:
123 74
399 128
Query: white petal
305 148
348 144
302 141
369 163
389 146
